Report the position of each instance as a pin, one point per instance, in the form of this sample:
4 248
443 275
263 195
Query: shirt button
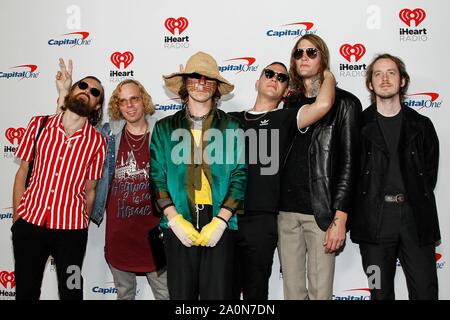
56 174
48 208
60 158
70 145
52 191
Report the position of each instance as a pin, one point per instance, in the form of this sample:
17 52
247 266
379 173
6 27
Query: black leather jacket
332 158
419 159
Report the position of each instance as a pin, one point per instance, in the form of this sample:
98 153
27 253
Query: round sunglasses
94 91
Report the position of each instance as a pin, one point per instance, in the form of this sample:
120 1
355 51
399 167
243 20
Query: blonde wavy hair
113 105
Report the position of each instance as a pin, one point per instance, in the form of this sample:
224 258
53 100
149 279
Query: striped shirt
56 196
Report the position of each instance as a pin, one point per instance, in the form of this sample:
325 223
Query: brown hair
113 105
184 94
96 115
297 84
401 68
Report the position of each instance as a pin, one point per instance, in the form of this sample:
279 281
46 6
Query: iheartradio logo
12 134
347 51
7 277
408 16
125 58
181 24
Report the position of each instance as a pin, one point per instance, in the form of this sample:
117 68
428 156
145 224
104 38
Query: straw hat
201 63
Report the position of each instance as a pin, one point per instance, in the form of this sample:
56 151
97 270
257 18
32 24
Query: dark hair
296 80
271 64
401 68
184 94
96 115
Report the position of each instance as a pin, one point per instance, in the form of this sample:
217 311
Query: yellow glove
212 232
184 230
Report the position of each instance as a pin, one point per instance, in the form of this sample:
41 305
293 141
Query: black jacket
419 158
332 157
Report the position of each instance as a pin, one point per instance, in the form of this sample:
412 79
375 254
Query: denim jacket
112 131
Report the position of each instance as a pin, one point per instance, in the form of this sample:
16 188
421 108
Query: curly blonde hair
113 105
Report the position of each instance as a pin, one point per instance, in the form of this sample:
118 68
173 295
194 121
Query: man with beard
395 214
51 214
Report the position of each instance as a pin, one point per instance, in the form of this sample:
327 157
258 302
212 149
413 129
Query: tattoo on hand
333 223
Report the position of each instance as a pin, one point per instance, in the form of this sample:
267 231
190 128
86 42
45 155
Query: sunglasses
198 76
310 52
94 91
281 77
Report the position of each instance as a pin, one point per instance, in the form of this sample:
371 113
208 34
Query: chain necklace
253 119
141 139
195 118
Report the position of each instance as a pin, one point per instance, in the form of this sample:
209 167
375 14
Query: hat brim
174 82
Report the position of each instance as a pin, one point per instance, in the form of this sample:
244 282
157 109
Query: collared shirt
56 197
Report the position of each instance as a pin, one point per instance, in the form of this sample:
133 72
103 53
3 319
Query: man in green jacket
198 174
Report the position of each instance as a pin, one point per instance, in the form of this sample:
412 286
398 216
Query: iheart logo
6 277
347 51
308 25
126 58
417 15
12 134
438 256
181 24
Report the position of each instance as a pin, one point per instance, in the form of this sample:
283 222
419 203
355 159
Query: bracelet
226 222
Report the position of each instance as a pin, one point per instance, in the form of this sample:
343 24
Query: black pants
256 241
399 239
32 247
200 272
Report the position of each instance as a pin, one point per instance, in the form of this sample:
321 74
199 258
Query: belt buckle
400 198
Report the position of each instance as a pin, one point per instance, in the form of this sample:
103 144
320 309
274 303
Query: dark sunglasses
310 52
281 77
198 76
94 91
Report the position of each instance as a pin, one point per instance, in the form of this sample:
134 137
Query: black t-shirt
268 136
295 189
391 128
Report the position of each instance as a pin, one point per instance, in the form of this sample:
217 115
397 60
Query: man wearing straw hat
199 182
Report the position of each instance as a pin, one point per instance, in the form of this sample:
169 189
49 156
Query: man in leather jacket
318 179
395 214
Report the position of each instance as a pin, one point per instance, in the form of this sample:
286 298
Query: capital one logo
422 100
408 16
7 277
172 24
347 51
244 64
12 134
25 71
125 58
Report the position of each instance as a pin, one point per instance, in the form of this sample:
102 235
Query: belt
396 198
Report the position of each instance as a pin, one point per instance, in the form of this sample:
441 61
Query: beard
77 106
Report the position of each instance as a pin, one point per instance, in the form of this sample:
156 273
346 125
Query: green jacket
174 177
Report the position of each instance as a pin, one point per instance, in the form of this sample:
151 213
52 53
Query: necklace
195 118
133 144
253 119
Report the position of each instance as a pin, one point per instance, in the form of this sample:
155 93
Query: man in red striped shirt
51 215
